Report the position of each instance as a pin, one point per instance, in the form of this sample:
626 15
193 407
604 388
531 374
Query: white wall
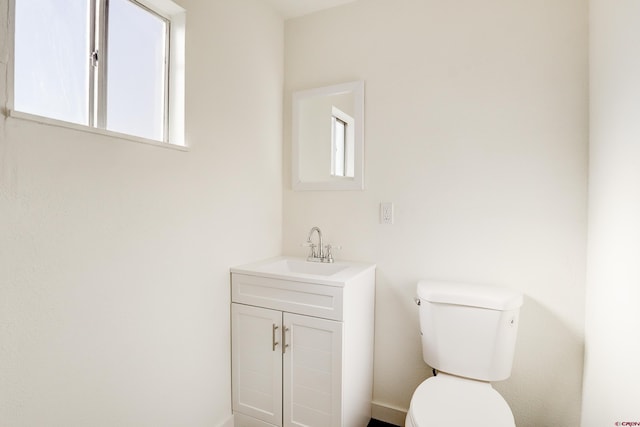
612 373
476 129
114 255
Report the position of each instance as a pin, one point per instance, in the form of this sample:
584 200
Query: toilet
468 336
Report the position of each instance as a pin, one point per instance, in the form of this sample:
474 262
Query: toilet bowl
450 401
468 335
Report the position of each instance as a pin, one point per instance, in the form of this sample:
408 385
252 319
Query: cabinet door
257 362
312 372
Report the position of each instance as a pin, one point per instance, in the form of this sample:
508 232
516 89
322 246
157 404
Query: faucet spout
319 255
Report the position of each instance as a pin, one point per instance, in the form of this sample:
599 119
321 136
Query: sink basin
304 267
299 269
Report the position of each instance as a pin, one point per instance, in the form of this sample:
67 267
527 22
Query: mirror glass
328 138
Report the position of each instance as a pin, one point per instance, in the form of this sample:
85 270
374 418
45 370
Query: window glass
136 70
51 65
102 64
339 140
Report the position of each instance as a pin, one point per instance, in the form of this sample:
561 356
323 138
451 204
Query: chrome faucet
317 253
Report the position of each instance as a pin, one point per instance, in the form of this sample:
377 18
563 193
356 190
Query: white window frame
174 131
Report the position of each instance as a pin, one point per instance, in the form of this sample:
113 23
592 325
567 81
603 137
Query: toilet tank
469 330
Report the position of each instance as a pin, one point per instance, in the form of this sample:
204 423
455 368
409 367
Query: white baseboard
388 414
241 420
379 411
228 422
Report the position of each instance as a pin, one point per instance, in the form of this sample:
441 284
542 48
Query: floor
376 423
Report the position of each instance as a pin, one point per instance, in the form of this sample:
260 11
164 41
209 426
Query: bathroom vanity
302 343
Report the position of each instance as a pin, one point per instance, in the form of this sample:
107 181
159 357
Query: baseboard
388 414
381 412
228 422
241 420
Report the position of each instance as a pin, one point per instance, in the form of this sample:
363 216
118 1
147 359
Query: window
342 144
339 138
112 65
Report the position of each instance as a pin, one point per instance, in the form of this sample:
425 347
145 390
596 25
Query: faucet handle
313 246
328 254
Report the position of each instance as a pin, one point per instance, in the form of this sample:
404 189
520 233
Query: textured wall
114 255
476 129
612 372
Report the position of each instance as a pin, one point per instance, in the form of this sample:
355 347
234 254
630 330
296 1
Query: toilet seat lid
447 400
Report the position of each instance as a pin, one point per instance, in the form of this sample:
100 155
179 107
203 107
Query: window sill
74 126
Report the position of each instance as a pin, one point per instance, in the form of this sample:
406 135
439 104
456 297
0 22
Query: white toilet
468 335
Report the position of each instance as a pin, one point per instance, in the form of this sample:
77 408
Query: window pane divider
100 105
167 78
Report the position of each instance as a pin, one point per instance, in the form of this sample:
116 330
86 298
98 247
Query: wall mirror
328 138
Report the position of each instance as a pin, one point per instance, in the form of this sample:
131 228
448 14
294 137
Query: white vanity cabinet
302 347
301 380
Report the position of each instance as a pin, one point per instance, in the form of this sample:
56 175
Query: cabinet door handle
274 343
284 339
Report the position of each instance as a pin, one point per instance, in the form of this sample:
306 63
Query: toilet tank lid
468 294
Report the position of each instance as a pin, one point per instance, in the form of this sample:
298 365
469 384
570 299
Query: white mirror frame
355 183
